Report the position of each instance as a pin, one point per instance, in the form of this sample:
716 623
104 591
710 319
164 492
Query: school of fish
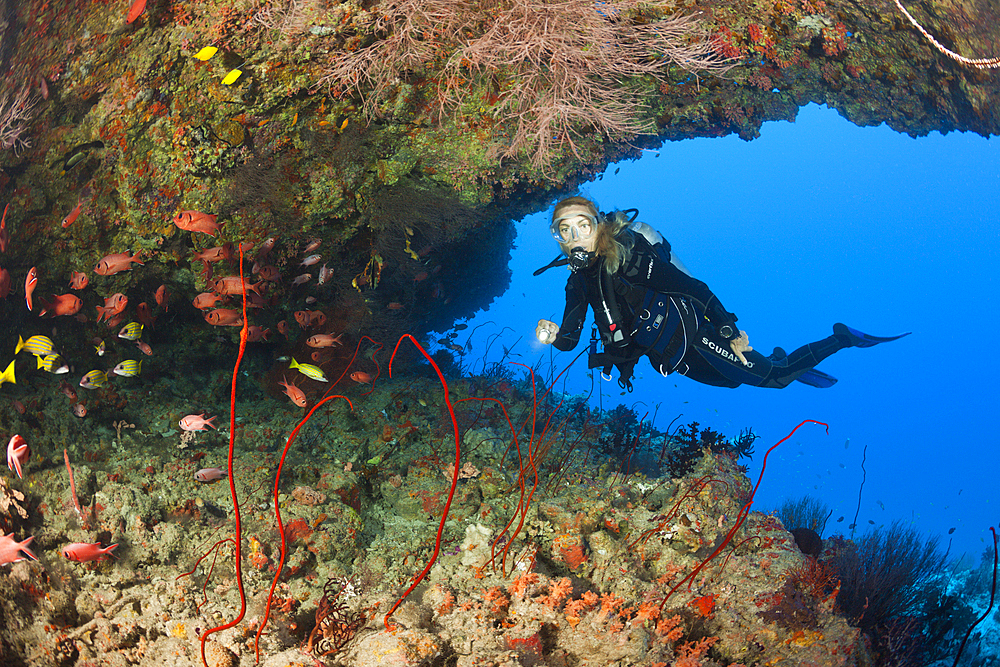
128 322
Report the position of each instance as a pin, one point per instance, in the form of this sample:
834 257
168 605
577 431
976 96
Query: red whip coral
741 517
454 479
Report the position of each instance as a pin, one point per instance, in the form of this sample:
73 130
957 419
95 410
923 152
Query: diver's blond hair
608 245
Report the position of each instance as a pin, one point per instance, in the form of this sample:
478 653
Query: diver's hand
546 331
739 345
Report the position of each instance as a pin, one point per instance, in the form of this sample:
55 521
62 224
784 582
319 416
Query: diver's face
577 228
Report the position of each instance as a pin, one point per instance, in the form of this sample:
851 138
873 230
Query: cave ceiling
409 155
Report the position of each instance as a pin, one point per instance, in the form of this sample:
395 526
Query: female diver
646 303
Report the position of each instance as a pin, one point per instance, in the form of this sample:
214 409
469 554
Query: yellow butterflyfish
206 53
231 78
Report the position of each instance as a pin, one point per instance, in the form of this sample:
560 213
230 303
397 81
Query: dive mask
574 228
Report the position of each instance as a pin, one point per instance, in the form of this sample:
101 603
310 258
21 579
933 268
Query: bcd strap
607 312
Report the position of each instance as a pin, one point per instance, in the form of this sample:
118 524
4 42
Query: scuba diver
646 303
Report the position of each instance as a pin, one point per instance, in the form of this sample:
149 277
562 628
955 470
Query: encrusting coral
609 610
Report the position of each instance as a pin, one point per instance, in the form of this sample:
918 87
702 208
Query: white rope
981 63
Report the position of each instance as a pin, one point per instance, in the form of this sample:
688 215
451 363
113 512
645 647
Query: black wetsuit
651 308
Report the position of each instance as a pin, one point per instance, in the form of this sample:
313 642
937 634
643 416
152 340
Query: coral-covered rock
402 648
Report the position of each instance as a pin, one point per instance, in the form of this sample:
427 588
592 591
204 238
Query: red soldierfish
137 8
75 213
269 273
64 304
216 254
29 285
320 357
206 300
324 340
196 422
310 318
78 280
144 313
4 283
68 390
116 263
17 454
10 551
224 317
265 248
113 305
231 285
209 474
162 296
361 377
83 552
195 221
256 333
293 392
